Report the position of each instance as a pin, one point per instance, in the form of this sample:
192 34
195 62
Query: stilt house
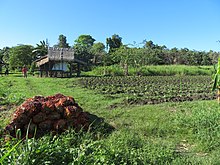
58 63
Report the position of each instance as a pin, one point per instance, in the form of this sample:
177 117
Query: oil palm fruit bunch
39 115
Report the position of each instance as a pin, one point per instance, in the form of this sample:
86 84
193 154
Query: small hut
58 63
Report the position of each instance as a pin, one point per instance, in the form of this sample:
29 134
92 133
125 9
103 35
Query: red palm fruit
29 100
45 125
37 105
59 108
70 111
59 95
50 104
39 117
20 110
74 123
62 101
39 98
65 101
70 100
23 119
50 97
67 112
10 128
54 116
48 107
60 125
33 108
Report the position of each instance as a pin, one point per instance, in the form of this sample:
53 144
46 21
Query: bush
153 70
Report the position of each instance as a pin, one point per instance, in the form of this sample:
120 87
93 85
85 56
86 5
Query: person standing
24 71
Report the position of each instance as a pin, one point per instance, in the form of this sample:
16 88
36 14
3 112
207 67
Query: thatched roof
58 54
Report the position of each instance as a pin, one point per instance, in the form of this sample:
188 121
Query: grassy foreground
168 133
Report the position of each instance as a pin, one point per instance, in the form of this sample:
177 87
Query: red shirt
24 70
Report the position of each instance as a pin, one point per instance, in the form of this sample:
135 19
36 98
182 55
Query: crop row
153 89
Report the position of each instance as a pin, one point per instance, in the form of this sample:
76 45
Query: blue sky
193 24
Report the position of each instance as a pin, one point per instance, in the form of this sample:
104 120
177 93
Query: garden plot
153 89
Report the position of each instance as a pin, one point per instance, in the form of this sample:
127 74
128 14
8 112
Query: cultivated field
153 89
156 120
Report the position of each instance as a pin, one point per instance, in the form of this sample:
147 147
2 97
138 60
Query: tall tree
114 42
62 42
85 41
82 47
149 44
123 56
20 55
98 52
4 53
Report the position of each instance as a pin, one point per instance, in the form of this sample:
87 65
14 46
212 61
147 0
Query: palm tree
40 50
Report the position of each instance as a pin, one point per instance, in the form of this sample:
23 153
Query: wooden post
71 71
49 70
41 72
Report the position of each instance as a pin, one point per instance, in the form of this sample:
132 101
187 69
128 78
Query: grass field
167 133
153 70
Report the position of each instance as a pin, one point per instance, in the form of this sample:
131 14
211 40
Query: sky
192 24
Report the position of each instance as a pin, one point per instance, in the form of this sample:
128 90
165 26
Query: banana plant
216 84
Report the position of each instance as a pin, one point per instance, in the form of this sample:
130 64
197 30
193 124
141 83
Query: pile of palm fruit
40 115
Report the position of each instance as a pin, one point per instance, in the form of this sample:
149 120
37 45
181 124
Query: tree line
110 53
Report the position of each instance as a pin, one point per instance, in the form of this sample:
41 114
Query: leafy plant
216 83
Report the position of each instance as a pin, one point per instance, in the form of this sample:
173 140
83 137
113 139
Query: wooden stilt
71 71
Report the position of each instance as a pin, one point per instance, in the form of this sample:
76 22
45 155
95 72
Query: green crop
216 83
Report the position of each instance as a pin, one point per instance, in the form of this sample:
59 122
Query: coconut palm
41 49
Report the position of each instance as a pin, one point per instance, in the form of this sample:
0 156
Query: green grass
168 133
153 70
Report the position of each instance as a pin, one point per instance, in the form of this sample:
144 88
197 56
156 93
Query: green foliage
151 90
79 148
99 53
33 67
82 48
153 54
114 42
84 41
151 70
216 83
40 50
20 55
168 133
83 53
203 124
62 42
8 153
4 55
